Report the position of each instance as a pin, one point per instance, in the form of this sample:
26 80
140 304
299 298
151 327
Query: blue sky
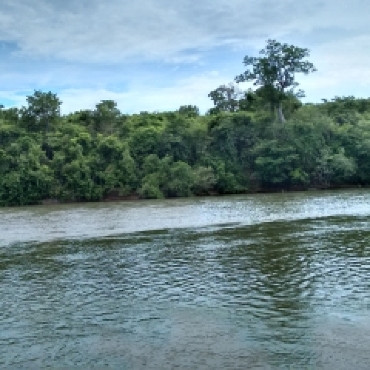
156 55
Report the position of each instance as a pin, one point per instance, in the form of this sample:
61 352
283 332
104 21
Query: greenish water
259 281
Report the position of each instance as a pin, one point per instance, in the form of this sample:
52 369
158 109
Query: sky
156 55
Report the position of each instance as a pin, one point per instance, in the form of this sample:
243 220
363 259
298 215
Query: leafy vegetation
240 145
274 71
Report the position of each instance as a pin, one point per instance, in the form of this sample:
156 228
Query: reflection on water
224 289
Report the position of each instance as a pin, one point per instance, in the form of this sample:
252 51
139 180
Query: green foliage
225 98
150 187
106 117
363 161
274 71
204 180
334 168
115 169
226 180
165 177
24 177
277 164
97 154
346 110
189 111
276 67
180 180
42 111
145 141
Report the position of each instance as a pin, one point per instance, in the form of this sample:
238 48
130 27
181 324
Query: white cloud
193 90
111 31
17 99
88 50
343 69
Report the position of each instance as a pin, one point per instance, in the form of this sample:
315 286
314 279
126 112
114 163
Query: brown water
259 281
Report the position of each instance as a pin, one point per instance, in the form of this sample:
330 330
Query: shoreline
135 197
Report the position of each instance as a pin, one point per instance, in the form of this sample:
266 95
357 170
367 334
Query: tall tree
43 110
225 98
106 116
189 110
274 71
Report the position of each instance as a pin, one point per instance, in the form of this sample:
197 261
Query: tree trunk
280 113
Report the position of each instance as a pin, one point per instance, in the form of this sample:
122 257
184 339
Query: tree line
255 140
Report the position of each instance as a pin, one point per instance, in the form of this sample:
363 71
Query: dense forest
243 144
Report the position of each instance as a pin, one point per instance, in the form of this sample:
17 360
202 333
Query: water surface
257 281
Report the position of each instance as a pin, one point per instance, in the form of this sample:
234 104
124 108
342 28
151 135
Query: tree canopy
274 71
225 98
97 154
42 110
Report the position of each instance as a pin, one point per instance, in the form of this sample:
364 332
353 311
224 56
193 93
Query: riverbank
169 154
135 197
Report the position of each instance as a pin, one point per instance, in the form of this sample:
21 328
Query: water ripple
283 293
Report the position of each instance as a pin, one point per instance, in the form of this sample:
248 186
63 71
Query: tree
43 109
24 176
274 71
225 98
165 177
277 164
106 116
189 110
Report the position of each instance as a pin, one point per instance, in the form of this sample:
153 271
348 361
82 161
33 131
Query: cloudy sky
156 55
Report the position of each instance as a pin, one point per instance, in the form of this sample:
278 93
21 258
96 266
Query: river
258 281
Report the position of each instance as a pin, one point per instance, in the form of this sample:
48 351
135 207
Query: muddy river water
248 281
